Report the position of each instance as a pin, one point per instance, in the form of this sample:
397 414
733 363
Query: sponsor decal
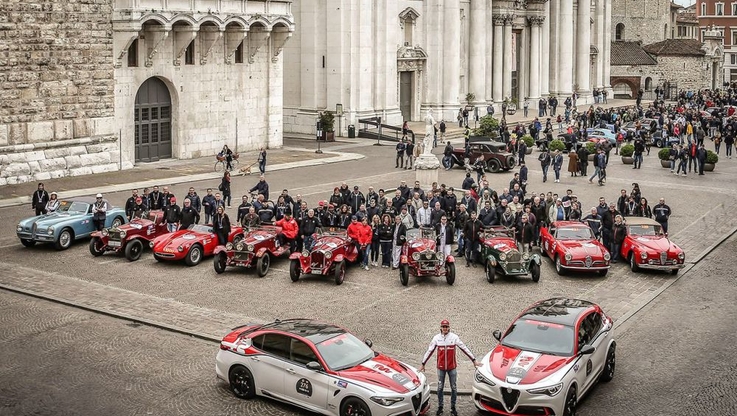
189 237
499 246
304 387
589 245
136 226
331 245
259 237
522 364
342 384
169 250
390 373
576 367
150 230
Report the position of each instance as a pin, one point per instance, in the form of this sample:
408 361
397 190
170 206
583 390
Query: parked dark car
495 154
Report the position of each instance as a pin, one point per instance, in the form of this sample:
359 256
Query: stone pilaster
600 25
508 56
565 48
498 61
583 49
477 55
451 53
534 73
545 54
607 46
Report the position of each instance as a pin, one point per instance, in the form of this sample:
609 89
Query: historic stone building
92 86
398 58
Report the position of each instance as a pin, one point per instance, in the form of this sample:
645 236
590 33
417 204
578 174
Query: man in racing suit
446 342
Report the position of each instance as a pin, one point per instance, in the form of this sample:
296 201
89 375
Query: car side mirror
368 342
497 335
314 366
587 350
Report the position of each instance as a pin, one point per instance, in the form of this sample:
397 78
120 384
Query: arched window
648 84
619 32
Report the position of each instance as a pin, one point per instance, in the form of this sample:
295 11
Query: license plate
114 243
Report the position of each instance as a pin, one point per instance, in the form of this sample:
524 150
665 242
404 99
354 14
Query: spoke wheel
571 403
97 247
241 382
262 265
133 250
117 222
633 262
295 269
450 273
65 239
340 273
404 274
611 362
535 272
490 272
219 263
354 407
194 256
558 267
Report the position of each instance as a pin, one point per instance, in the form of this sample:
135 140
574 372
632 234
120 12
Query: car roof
565 311
640 221
312 330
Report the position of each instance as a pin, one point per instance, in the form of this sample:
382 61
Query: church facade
396 59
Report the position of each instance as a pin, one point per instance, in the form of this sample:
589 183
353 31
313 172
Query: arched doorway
152 116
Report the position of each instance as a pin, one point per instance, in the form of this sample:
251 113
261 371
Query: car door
305 387
85 226
268 368
593 363
547 240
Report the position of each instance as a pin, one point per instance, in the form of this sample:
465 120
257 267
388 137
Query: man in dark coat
701 158
39 200
189 215
471 234
262 187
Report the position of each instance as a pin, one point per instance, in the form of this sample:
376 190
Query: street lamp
318 134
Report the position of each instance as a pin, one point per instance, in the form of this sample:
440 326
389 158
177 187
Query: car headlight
386 401
328 254
19 228
415 256
607 256
525 257
483 379
123 233
305 253
568 257
681 256
50 231
229 246
643 255
240 246
180 248
151 244
548 391
250 247
427 256
502 257
105 232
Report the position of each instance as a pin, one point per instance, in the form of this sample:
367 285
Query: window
133 54
648 84
720 9
189 54
302 353
619 32
733 58
734 9
590 327
239 54
275 344
703 9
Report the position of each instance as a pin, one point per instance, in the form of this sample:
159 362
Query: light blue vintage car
72 221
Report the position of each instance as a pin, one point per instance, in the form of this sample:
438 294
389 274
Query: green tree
488 126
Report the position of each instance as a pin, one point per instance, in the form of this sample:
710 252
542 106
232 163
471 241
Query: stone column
606 56
599 21
477 55
583 49
434 74
554 45
535 24
545 54
498 63
507 70
565 49
452 54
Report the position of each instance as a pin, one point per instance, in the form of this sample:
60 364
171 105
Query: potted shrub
626 152
557 145
327 120
711 160
488 127
664 155
591 147
529 142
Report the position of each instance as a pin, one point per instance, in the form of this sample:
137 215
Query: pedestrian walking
399 160
545 159
557 164
262 161
225 188
662 212
446 343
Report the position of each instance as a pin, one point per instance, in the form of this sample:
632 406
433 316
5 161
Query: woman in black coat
225 188
386 235
221 225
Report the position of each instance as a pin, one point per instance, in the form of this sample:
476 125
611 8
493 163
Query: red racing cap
444 322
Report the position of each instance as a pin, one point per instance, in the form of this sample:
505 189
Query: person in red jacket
446 342
361 234
289 230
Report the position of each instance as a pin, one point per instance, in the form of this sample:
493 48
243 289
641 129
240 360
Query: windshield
645 229
344 351
578 233
73 207
200 228
542 337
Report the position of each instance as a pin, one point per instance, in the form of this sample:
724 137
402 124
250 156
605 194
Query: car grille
114 235
416 402
514 256
663 257
317 259
33 228
588 261
510 397
522 410
242 255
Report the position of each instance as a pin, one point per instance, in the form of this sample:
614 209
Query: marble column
583 49
606 56
553 45
489 52
498 63
535 24
477 53
434 74
508 56
452 54
599 22
565 49
545 54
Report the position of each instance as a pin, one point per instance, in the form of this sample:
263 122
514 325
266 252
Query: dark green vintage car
501 255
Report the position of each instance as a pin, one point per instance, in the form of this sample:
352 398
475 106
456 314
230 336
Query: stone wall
56 89
688 73
644 20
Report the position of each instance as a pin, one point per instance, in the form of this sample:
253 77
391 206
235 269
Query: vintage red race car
258 246
191 245
330 254
420 257
646 247
573 246
129 238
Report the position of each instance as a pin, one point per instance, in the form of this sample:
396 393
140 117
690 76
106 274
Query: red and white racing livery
549 358
321 368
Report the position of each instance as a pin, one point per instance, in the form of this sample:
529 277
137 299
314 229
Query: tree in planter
711 157
529 142
557 145
627 150
664 156
327 121
470 98
488 127
591 147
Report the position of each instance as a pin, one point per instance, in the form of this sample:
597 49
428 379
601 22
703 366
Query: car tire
294 270
354 406
493 166
633 263
559 267
611 362
241 382
339 273
511 162
603 273
133 250
27 243
404 274
535 272
66 237
194 255
490 272
658 143
117 222
97 248
450 273
262 265
674 272
571 403
220 262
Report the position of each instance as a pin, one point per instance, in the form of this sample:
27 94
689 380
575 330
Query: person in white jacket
424 215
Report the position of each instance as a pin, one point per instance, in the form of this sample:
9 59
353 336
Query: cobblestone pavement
372 303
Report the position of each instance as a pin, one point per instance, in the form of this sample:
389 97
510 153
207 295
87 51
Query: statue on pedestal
429 133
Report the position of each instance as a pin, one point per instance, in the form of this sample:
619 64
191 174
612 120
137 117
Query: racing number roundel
304 387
